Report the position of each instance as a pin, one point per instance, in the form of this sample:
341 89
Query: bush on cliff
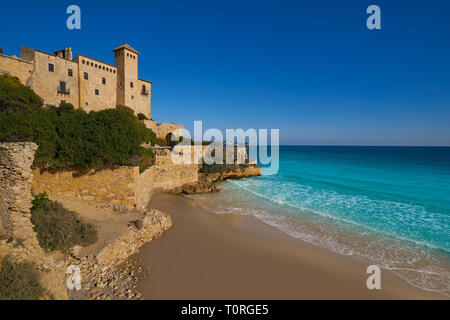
141 116
58 228
69 137
19 281
17 98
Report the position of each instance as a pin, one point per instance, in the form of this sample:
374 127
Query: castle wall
106 98
122 186
46 83
17 67
121 84
162 129
143 100
115 186
164 175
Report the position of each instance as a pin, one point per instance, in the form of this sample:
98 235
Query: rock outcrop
208 180
141 231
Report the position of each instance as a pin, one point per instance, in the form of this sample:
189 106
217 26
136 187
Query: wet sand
209 256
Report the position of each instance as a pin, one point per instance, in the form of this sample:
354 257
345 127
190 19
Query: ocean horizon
388 205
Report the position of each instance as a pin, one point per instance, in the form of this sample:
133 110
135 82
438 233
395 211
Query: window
131 84
70 72
86 76
51 67
62 86
97 92
63 101
87 104
103 81
83 61
132 97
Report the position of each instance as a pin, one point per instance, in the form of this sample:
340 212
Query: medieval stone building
83 81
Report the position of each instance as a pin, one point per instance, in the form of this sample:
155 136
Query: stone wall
96 72
16 67
45 83
143 98
115 186
15 190
122 186
22 245
162 129
164 175
106 86
15 204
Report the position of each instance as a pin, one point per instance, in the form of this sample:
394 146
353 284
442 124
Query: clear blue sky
310 68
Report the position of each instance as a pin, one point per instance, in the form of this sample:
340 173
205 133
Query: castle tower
126 62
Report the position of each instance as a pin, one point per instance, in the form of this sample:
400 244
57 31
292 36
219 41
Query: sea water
387 205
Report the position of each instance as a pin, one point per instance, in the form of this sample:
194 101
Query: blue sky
310 68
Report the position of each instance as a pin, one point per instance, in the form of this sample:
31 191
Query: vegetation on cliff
69 137
19 281
58 228
17 98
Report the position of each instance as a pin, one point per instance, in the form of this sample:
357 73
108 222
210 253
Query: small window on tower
70 72
103 81
131 84
86 76
51 67
96 92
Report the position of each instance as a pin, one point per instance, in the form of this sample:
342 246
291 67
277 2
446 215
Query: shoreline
230 256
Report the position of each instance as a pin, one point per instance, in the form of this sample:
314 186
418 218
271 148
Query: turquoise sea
386 205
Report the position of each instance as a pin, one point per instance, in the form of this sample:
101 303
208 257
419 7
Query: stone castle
85 82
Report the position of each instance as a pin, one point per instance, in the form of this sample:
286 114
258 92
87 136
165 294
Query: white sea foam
288 208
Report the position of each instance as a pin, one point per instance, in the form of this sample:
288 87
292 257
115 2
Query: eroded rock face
208 182
151 226
110 275
15 189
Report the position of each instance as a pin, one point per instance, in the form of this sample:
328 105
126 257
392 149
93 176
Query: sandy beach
209 256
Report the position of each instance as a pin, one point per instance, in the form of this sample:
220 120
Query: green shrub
17 98
19 281
147 159
161 142
71 137
141 116
58 228
39 201
144 159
